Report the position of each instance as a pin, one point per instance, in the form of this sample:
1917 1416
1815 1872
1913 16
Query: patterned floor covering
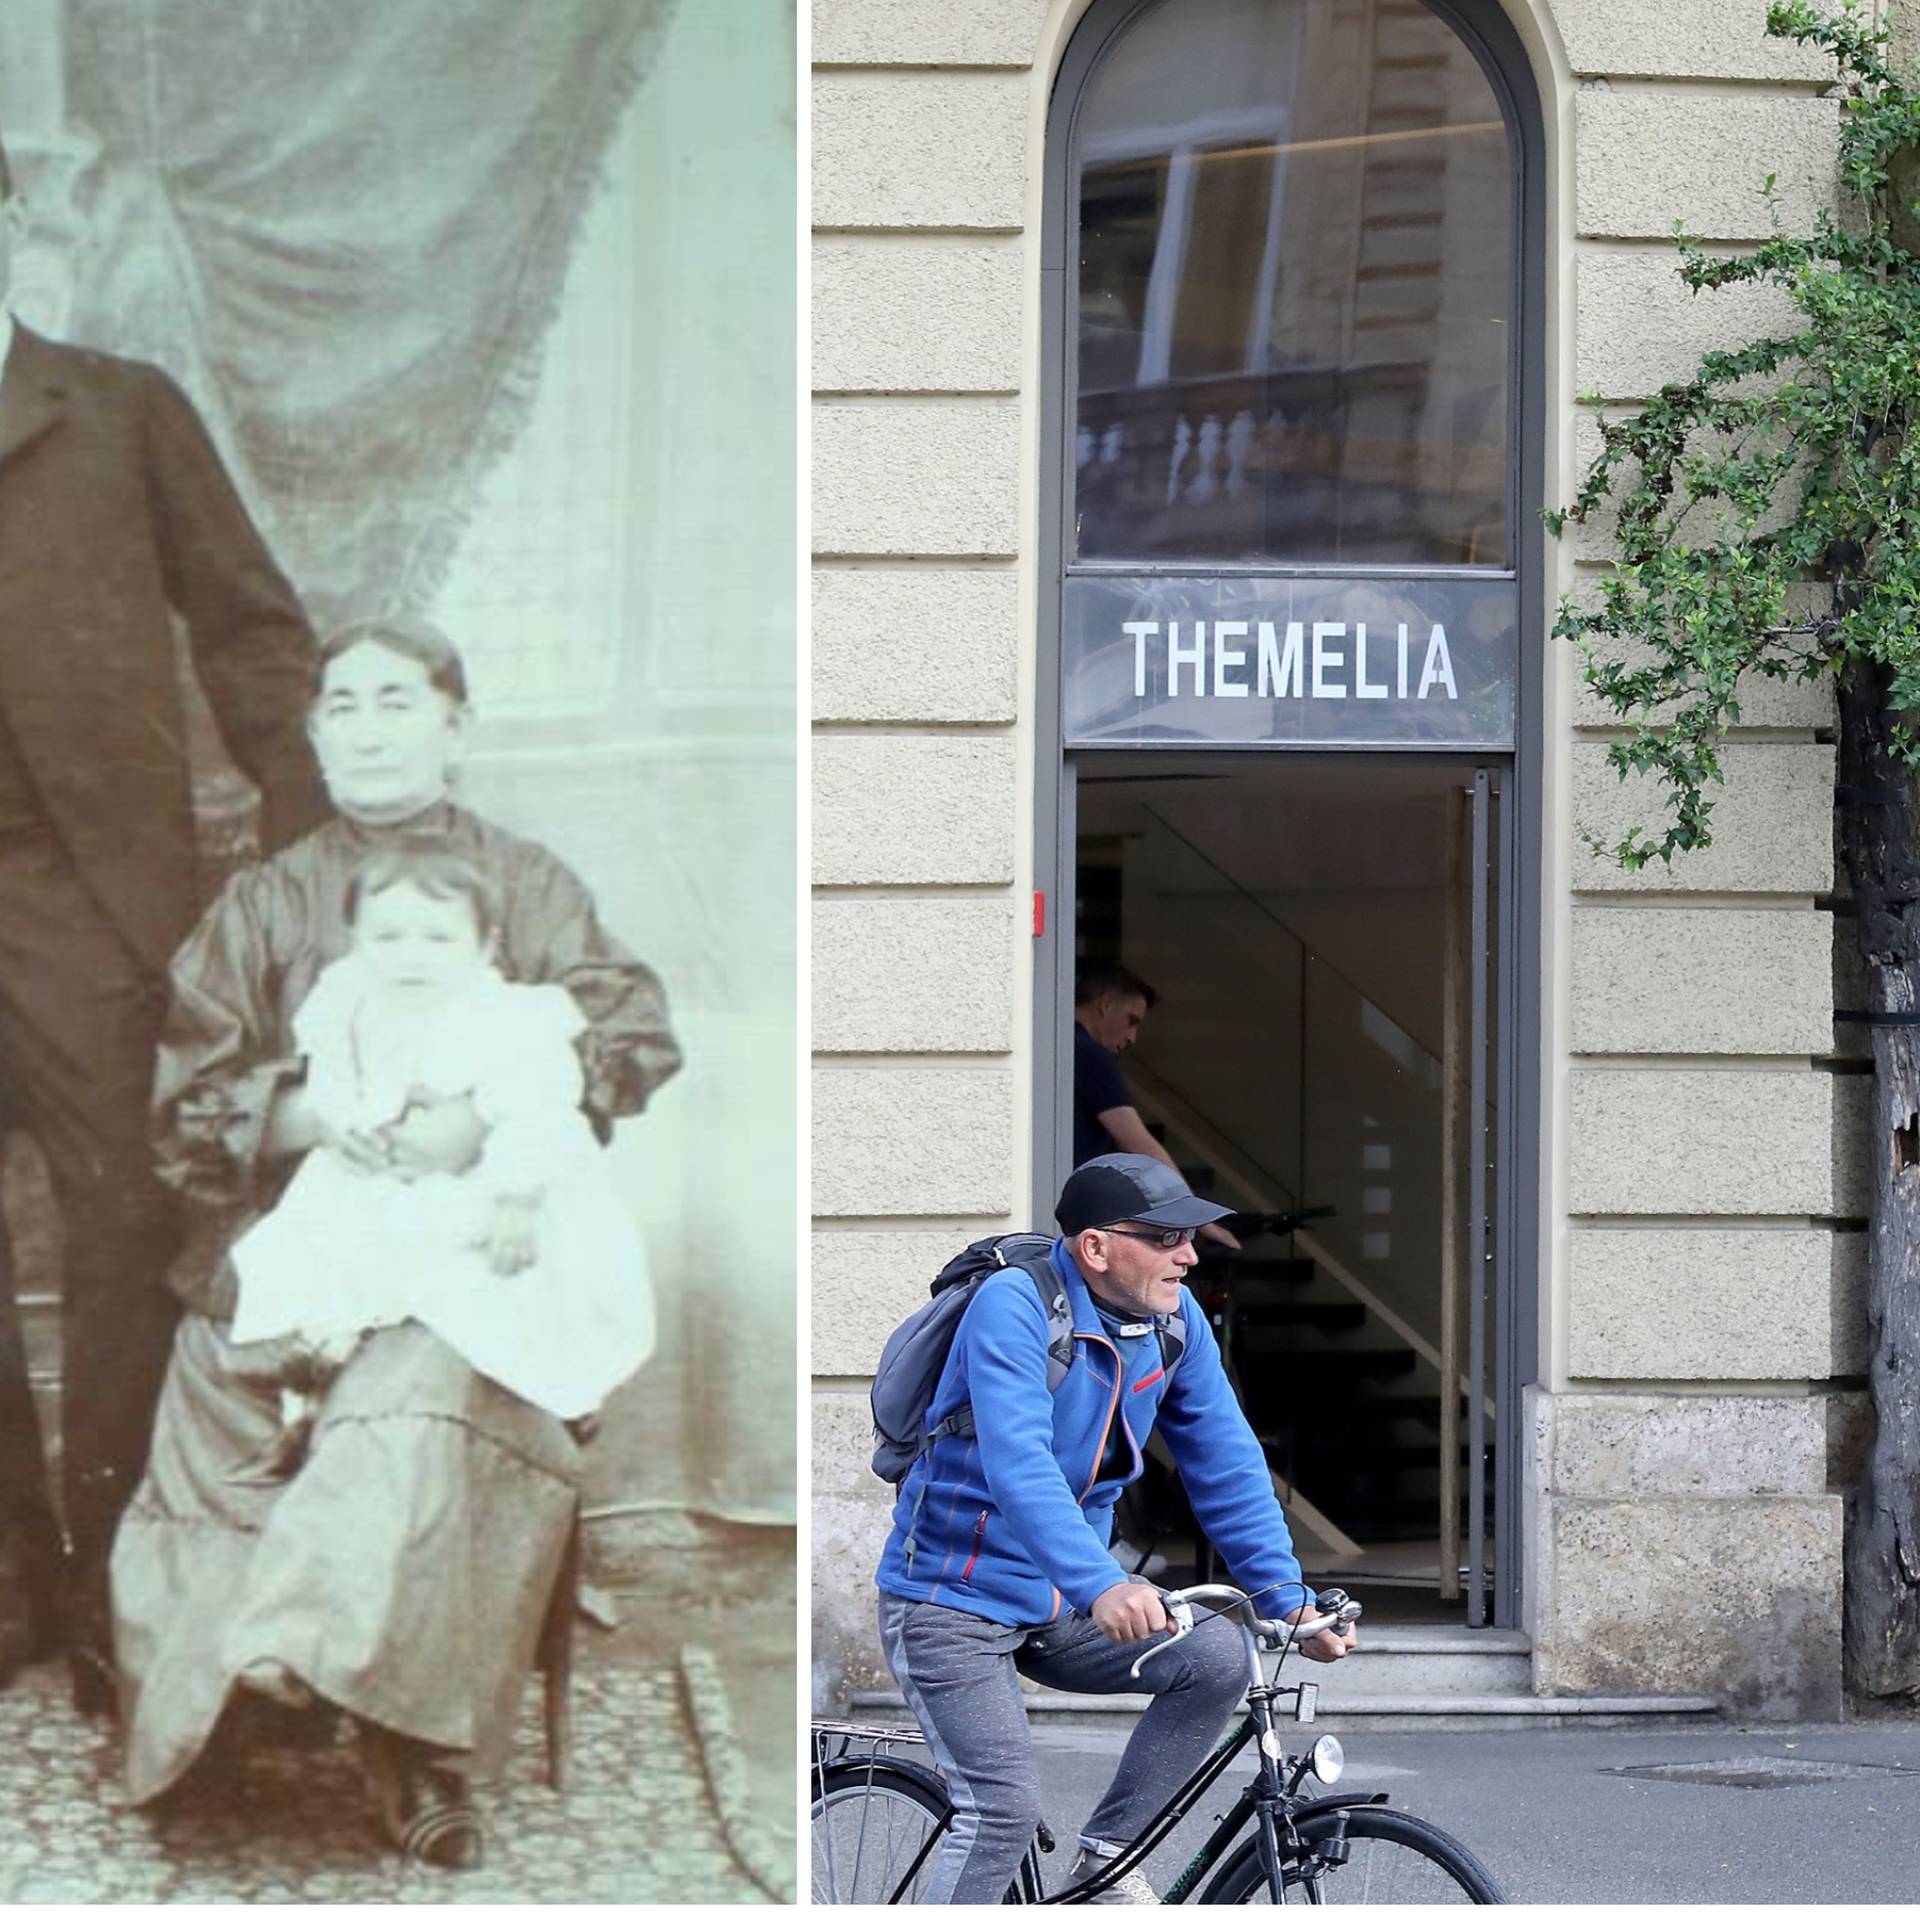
646 1819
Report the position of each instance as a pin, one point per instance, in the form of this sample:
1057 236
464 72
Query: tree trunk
1882 1617
1903 169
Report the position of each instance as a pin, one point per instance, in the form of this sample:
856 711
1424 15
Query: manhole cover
1759 1772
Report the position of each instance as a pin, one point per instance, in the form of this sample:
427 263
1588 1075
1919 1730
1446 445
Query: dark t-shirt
1098 1085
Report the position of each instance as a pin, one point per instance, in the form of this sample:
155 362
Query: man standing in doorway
117 518
997 1562
1110 1004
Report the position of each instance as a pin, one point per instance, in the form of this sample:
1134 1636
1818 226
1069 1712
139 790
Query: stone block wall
1685 1532
1687 1544
921 829
1700 1291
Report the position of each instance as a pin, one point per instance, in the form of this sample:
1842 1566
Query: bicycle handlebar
1273 1632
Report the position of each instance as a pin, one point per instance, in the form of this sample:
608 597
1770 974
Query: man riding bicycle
997 1564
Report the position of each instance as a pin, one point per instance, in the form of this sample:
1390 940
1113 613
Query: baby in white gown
528 1264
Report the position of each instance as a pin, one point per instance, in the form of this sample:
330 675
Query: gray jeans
959 1675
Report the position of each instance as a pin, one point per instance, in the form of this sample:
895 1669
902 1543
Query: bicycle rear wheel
1392 1858
875 1832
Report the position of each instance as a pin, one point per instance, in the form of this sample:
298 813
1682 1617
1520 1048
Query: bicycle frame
1266 1797
1269 1797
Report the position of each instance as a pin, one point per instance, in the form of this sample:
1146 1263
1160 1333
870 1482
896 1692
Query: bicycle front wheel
1391 1858
875 1833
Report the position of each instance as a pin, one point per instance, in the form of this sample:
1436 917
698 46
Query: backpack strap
1059 1309
1173 1340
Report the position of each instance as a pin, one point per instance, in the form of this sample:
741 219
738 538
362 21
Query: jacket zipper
919 1505
979 1531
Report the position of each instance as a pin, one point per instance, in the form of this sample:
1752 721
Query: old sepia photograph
397 951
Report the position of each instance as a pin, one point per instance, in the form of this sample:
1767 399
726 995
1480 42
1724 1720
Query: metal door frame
1518 1147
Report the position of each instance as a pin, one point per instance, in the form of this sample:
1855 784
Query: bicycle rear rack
831 1741
870 1743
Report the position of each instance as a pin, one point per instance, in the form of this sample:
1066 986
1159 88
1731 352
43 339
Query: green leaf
1787 460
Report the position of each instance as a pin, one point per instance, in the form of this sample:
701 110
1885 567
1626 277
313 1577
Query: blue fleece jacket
1012 1522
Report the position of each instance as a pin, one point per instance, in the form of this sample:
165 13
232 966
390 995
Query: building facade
1189 379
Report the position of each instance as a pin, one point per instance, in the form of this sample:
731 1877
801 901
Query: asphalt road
1541 1809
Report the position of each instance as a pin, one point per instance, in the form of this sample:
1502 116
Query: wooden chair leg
556 1659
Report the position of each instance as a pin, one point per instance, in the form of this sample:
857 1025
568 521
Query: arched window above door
1295 313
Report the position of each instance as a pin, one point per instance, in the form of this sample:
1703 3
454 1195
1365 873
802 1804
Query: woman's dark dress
404 1571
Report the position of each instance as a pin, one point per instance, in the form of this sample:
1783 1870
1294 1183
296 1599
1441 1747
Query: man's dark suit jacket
114 510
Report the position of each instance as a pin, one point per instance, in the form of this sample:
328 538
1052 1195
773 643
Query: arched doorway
1292 609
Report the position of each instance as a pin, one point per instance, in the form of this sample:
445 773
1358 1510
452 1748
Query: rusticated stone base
1687 1544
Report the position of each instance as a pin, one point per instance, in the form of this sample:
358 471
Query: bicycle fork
1274 1807
1269 1794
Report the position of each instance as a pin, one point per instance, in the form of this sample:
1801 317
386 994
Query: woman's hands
367 1152
293 1126
435 1134
431 1134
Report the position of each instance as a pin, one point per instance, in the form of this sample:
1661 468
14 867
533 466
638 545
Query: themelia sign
1241 660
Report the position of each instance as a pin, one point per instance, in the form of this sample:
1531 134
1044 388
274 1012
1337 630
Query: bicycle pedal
1044 1837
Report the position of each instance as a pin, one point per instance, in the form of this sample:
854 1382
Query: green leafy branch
1768 508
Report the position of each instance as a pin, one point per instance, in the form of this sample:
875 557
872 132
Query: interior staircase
1348 1414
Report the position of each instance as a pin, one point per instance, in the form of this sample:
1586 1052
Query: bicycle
878 1817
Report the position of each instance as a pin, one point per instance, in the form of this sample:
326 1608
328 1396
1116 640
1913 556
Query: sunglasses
1167 1240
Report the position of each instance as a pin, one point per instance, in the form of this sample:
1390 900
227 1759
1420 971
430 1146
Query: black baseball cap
1127 1188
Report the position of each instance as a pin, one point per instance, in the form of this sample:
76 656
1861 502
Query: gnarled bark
1882 1623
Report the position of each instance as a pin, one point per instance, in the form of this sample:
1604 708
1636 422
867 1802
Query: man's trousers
960 1676
79 1020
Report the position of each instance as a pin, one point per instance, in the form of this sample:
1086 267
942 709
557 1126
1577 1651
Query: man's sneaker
1133 1887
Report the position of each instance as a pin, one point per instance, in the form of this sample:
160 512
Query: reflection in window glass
1295 292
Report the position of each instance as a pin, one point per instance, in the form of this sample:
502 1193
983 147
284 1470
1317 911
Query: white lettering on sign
1280 663
1325 658
1225 655
1277 666
1144 629
1438 669
1194 655
1363 687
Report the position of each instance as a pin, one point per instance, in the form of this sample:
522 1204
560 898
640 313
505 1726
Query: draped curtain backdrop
345 226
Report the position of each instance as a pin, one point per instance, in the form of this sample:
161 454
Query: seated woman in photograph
528 1264
402 1573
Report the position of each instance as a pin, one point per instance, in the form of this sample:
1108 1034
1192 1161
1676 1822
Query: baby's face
417 947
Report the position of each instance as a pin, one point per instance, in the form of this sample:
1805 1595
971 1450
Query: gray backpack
916 1353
